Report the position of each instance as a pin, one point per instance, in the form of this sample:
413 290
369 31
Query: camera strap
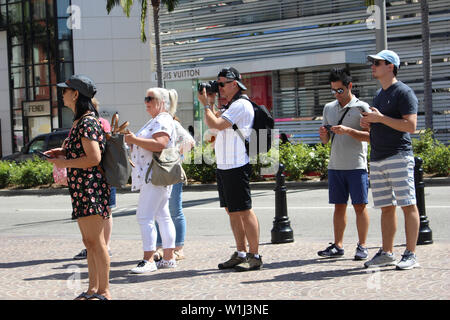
339 123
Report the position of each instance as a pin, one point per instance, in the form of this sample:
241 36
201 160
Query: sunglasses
149 98
339 91
222 84
376 63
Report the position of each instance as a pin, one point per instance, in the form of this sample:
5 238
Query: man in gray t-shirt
347 169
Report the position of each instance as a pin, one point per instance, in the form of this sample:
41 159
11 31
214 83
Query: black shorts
234 188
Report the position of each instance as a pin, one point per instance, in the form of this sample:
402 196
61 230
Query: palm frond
143 19
170 4
110 4
126 5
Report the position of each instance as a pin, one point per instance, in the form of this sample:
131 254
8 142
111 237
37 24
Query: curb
266 185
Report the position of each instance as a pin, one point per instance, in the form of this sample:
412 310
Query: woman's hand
56 152
130 138
59 162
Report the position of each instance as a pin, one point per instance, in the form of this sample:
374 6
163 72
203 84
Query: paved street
38 241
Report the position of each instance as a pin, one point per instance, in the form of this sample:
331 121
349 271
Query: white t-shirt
141 157
229 147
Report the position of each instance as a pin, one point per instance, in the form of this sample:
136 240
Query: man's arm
355 134
215 122
408 122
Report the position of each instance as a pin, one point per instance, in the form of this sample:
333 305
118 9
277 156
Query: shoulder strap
339 123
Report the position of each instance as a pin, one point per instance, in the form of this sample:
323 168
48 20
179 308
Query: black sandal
97 297
83 295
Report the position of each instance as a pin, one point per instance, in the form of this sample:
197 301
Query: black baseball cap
232 73
82 83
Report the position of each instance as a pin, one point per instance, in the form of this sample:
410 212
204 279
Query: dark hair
395 70
83 104
340 74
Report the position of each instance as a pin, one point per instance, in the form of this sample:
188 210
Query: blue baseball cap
387 55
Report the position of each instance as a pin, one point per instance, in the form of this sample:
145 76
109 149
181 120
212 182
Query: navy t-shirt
398 100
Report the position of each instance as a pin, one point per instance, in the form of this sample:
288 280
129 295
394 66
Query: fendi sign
36 108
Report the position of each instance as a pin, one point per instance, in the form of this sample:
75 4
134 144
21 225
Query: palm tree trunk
159 66
427 93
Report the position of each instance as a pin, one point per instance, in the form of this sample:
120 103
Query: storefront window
39 11
15 13
38 60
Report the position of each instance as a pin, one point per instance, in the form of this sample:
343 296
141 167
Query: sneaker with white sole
408 261
166 264
82 255
361 253
145 266
381 259
332 251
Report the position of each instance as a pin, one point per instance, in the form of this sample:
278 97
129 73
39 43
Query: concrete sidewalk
38 241
42 268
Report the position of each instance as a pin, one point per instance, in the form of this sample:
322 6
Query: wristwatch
208 107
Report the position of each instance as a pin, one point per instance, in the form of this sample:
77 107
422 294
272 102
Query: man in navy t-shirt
391 120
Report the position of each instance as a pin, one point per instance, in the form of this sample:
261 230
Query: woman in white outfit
156 135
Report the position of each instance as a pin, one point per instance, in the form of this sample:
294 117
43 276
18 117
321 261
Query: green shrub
32 173
6 169
204 172
320 156
435 155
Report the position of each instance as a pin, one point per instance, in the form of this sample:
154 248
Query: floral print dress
88 188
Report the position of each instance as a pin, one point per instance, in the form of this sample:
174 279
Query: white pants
154 205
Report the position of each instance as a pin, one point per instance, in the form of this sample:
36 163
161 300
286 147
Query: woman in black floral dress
88 189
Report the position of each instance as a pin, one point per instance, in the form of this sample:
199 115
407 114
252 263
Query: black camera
211 86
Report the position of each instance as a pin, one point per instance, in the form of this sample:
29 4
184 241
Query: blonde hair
168 97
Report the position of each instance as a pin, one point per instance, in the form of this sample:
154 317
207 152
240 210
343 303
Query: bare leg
339 223
251 228
98 258
362 222
388 227
412 225
237 226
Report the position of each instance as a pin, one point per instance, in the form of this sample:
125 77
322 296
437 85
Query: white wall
5 109
108 49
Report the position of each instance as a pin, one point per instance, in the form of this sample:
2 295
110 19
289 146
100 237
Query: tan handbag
167 168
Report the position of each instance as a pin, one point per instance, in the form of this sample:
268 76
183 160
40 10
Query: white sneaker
408 261
165 264
144 267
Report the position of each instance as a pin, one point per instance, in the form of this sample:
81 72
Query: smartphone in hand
364 108
42 154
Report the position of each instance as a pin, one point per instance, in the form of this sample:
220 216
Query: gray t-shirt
347 153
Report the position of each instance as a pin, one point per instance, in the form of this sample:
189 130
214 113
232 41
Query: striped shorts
392 181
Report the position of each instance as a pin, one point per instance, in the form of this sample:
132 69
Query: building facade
284 49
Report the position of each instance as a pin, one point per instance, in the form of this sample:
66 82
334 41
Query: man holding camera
347 167
233 167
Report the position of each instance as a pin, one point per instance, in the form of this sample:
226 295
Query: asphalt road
308 209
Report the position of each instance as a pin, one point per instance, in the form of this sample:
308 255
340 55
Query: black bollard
425 233
281 231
